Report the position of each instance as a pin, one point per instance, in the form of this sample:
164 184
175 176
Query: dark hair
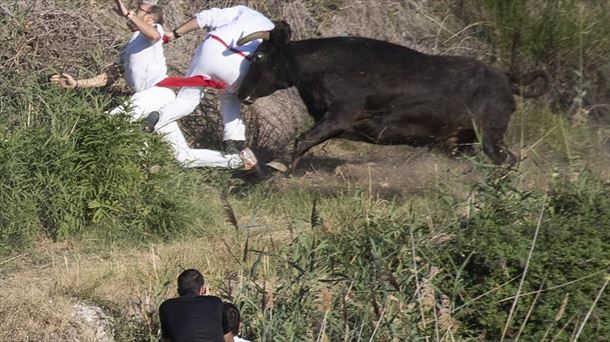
232 314
157 13
189 282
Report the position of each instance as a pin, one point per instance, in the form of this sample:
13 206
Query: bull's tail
527 79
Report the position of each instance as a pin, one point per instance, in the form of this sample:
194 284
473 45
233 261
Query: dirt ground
387 171
401 171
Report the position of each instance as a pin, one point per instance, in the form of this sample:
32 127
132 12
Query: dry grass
31 312
38 298
38 291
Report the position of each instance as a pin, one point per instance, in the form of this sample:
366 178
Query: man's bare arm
121 9
186 27
109 76
67 81
145 28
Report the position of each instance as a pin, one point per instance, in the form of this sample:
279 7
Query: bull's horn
264 35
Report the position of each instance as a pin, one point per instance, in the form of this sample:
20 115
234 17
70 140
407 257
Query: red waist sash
193 81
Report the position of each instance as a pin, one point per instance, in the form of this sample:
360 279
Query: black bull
370 90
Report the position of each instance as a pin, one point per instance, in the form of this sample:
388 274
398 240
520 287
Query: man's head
190 282
150 13
232 314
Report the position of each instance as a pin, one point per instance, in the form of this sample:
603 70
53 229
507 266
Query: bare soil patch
386 171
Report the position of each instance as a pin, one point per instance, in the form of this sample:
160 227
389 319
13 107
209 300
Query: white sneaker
248 158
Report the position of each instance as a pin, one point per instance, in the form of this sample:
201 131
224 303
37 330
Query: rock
93 322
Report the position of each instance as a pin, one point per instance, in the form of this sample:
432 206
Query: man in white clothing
143 64
217 57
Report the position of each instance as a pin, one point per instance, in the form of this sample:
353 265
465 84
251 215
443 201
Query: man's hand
168 37
121 9
64 80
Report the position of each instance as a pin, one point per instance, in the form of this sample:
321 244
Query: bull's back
406 96
363 66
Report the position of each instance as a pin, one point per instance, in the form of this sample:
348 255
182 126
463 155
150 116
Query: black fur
375 91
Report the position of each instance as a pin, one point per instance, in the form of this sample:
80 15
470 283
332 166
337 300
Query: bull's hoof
277 166
512 158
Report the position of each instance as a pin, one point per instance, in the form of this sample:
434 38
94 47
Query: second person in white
217 57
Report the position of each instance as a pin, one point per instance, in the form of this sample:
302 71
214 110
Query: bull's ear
281 33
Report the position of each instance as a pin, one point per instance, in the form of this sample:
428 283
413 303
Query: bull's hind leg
492 117
495 150
494 147
466 139
458 142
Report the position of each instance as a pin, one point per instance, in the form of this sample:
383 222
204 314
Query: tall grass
353 267
570 39
68 168
302 262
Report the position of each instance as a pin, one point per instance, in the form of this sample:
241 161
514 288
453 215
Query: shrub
372 269
67 169
569 261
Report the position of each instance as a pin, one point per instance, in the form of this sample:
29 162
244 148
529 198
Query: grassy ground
362 243
361 265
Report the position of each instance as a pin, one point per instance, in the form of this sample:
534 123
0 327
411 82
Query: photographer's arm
228 337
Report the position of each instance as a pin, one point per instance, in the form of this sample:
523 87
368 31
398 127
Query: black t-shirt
193 319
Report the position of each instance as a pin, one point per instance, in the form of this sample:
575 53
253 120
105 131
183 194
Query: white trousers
146 101
212 60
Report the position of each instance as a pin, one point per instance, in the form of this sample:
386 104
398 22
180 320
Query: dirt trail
387 171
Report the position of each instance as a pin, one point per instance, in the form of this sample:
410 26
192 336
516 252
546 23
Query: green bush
570 258
68 168
356 278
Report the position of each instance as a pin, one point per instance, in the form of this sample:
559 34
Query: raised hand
121 9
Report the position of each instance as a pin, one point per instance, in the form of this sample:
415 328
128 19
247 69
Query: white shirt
239 339
143 61
232 23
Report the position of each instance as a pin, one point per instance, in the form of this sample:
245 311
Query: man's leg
185 103
188 97
144 102
212 60
234 134
189 157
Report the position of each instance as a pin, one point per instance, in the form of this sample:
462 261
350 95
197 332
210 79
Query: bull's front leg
327 128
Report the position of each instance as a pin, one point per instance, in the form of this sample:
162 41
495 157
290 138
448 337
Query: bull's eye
257 57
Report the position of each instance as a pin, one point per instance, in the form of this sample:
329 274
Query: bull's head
269 70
